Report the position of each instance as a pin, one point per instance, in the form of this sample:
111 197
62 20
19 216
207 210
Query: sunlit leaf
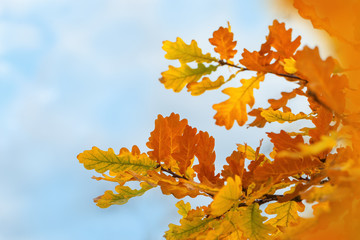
277 116
162 140
235 107
198 88
206 156
122 196
227 196
177 78
286 213
252 224
223 41
183 207
186 52
102 161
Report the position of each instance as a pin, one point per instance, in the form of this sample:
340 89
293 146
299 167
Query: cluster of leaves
317 165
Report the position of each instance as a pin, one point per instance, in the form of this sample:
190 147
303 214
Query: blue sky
74 74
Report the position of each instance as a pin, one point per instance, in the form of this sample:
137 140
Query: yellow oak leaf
286 213
306 150
252 224
325 142
289 65
190 227
225 228
122 196
249 151
227 196
183 207
177 78
186 52
235 107
277 116
198 88
102 161
320 193
223 42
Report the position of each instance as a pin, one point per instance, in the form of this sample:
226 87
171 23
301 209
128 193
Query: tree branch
222 63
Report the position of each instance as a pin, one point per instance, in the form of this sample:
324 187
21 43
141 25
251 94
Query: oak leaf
183 207
271 115
235 107
236 162
285 97
177 78
162 140
289 65
286 213
227 196
280 39
191 226
184 155
223 42
260 63
284 167
198 88
122 196
283 141
252 224
324 86
259 120
206 155
102 161
186 52
172 186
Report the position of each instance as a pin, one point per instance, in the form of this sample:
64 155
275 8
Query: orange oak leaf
206 155
285 167
322 124
257 159
223 42
275 104
260 63
331 17
280 39
259 121
170 185
235 107
186 150
323 85
283 141
236 162
162 139
285 97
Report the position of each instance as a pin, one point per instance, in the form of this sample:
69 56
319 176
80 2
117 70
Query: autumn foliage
316 165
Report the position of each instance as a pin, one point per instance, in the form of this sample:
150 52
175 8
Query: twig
222 63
